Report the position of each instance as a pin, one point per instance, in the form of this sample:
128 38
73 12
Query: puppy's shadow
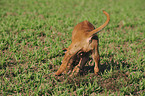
111 63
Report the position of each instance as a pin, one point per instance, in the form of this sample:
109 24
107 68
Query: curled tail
102 26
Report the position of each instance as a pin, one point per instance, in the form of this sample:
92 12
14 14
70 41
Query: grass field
33 33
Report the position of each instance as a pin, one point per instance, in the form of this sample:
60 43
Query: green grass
33 33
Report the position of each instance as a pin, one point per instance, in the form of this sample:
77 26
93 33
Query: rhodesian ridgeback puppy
84 42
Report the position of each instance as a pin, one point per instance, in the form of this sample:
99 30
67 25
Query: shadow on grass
108 65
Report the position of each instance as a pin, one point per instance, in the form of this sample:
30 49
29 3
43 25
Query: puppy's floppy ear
102 26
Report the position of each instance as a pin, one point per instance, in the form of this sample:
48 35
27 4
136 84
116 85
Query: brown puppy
84 42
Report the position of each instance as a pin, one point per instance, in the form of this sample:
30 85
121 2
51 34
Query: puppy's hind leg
96 58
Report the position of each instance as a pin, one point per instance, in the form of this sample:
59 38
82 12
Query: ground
34 32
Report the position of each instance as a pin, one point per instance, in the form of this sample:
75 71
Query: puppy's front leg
69 66
65 62
71 51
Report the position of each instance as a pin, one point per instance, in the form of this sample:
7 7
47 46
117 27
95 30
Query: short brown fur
85 41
